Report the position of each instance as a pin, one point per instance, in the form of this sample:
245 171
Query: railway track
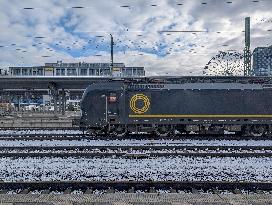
72 136
12 137
76 133
136 151
137 147
132 155
88 187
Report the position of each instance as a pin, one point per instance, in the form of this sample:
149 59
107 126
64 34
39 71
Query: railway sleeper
147 189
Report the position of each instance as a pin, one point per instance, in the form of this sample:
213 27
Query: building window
83 71
34 71
24 71
107 72
63 71
58 71
71 71
40 71
129 72
140 72
74 71
17 71
91 72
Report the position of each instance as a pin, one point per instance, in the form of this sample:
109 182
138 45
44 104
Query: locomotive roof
196 79
185 82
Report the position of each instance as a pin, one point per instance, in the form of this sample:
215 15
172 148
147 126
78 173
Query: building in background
262 61
78 69
3 71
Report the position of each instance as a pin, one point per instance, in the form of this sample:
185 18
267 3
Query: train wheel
91 132
254 134
163 130
100 132
257 131
96 132
119 130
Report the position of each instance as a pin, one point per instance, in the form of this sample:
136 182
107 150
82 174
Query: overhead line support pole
247 52
112 43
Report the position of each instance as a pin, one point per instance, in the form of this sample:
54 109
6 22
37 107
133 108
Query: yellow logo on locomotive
136 98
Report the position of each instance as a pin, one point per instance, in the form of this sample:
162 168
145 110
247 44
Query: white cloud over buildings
71 33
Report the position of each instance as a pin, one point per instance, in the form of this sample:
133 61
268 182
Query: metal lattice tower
247 52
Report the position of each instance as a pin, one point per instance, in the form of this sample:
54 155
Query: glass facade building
262 61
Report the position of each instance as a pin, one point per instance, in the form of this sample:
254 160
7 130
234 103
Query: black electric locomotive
204 105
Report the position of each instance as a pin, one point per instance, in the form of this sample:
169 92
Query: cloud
78 34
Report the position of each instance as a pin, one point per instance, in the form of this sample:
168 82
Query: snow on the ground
185 142
162 168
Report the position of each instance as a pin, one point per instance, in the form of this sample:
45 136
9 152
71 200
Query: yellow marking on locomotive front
200 116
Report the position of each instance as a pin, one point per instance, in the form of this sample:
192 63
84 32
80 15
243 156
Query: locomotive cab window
112 98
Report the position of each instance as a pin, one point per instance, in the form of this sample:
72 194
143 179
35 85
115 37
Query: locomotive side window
112 98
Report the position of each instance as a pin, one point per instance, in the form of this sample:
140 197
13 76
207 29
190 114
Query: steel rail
133 155
136 185
72 136
37 128
40 135
149 146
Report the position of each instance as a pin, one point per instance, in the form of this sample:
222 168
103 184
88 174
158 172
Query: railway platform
40 120
136 199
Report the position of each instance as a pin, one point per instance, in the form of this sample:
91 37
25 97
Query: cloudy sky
78 30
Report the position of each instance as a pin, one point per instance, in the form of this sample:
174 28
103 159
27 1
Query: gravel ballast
162 168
